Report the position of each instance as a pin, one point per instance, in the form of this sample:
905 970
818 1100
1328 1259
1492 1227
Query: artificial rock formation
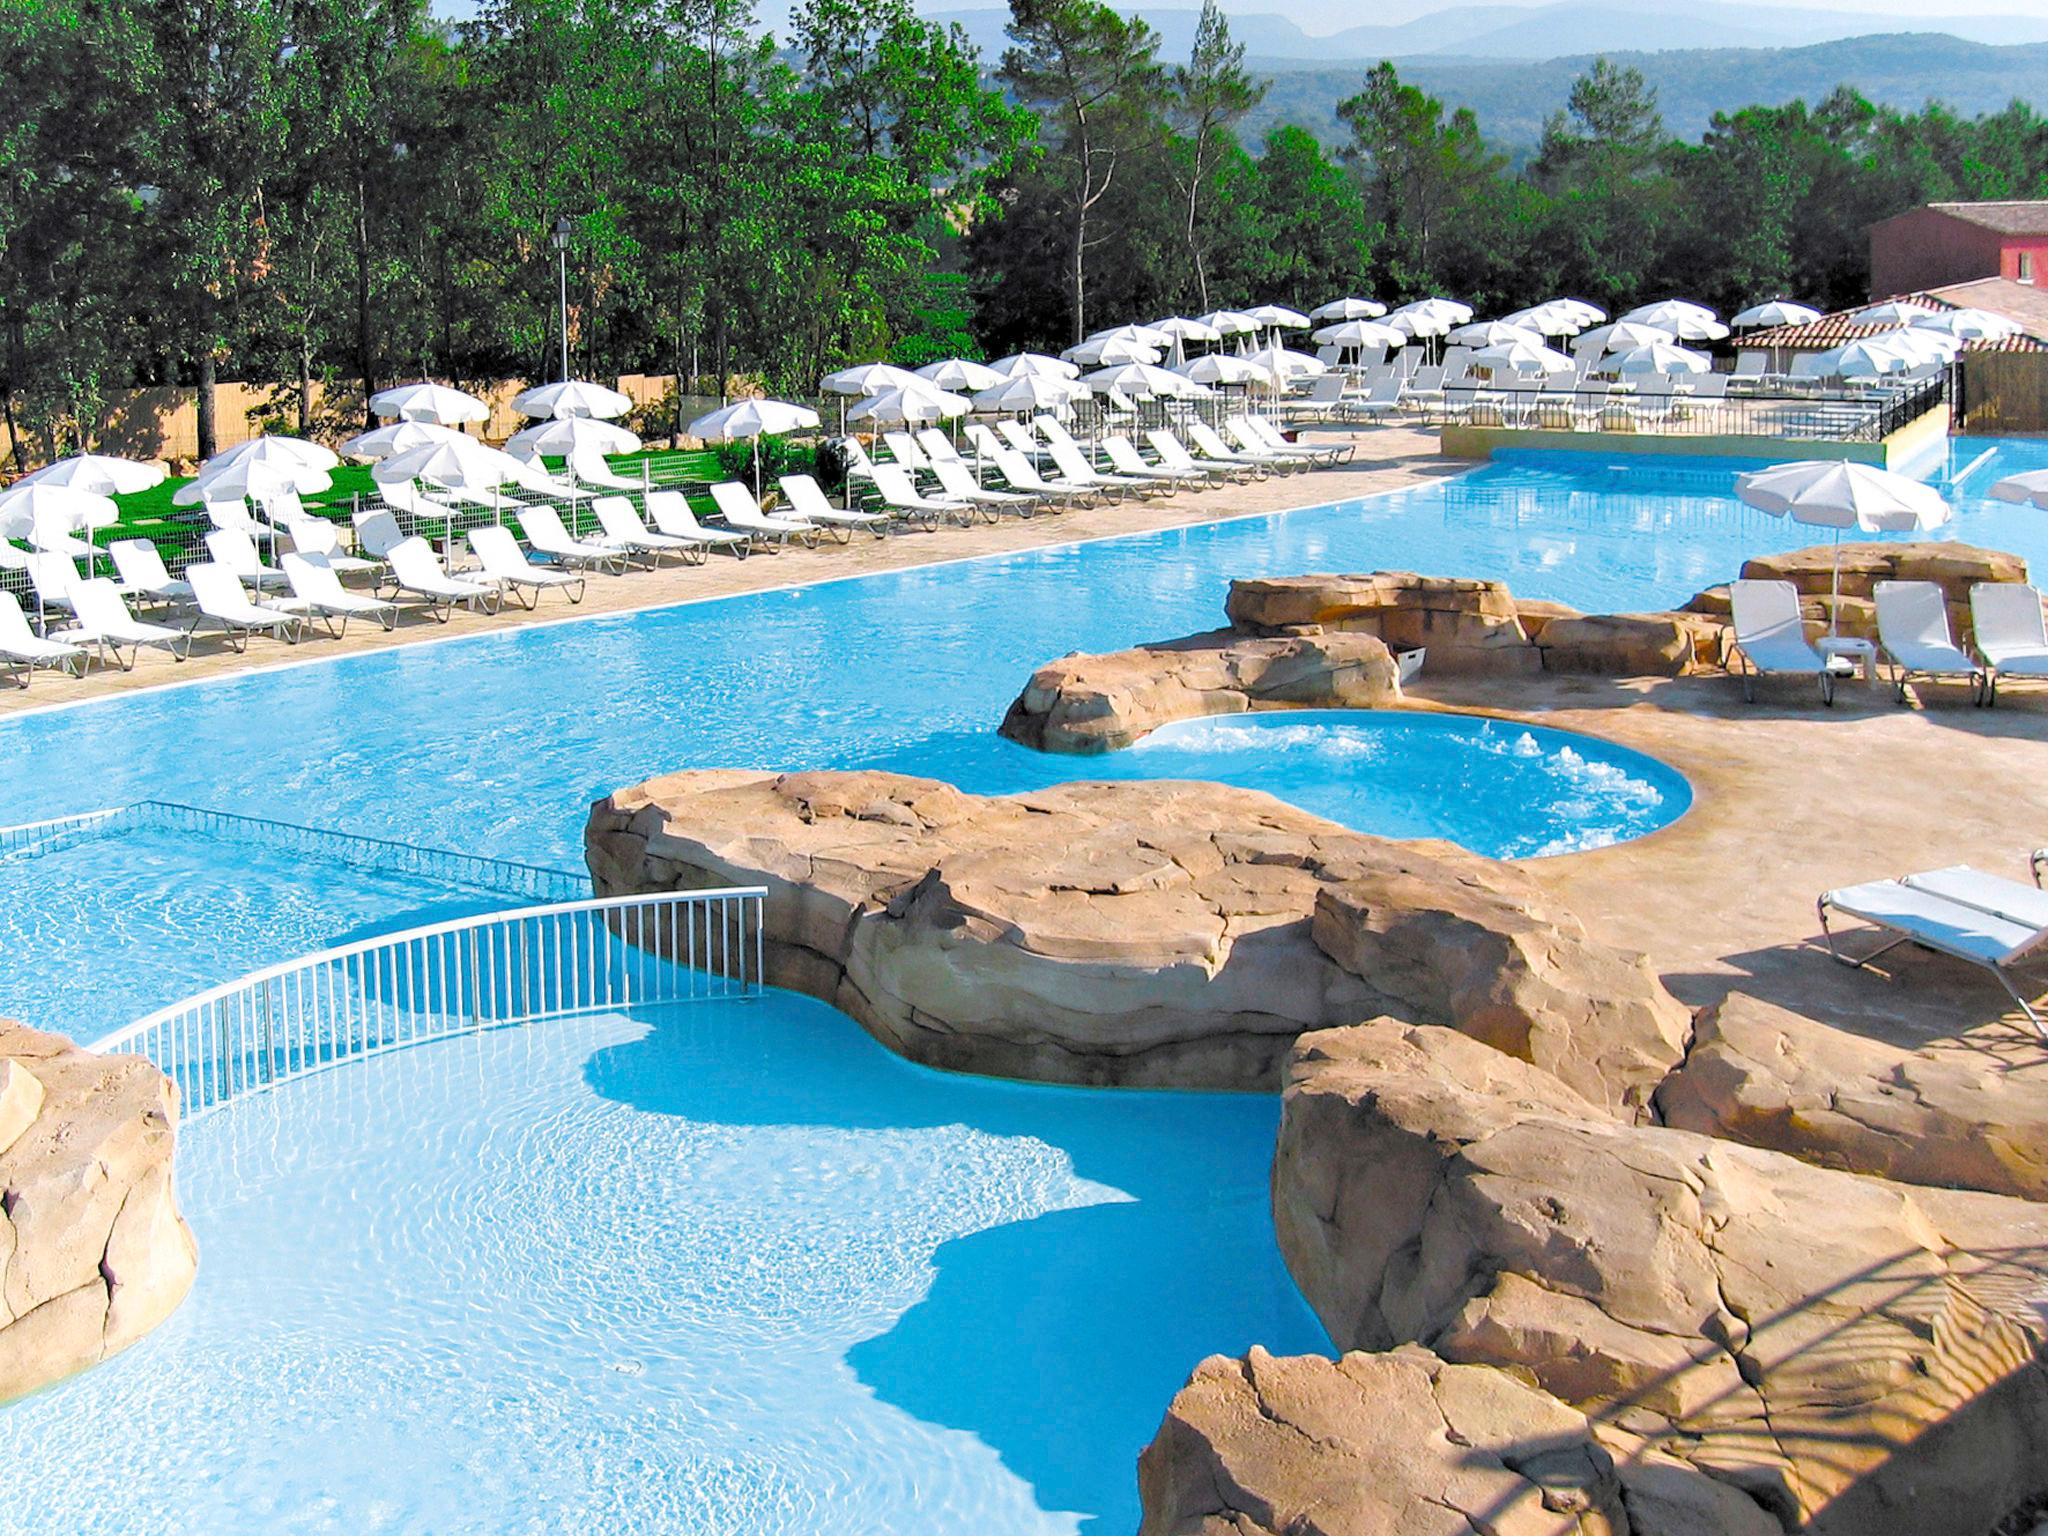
1846 1353
1155 933
1768 1077
93 1252
1105 703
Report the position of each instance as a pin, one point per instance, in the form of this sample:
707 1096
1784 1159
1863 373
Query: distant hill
1539 32
1512 99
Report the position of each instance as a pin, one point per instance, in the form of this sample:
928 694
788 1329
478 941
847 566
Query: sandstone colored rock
1101 703
1366 1444
1466 626
1852 1355
1625 644
1763 1075
93 1252
1141 933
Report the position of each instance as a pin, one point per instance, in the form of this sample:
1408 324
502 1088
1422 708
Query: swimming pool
1498 787
494 745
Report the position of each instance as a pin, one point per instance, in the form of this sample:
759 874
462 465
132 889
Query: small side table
1850 648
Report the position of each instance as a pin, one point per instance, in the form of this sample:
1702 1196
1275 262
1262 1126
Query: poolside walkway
1388 458
1790 800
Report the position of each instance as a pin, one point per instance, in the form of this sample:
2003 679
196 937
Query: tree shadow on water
1057 1340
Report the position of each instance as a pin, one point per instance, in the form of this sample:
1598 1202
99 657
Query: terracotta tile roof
2023 305
2009 218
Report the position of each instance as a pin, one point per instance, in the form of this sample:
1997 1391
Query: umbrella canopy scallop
1659 357
275 448
1829 493
1772 313
1229 322
1359 333
1626 336
962 375
395 437
1109 351
436 403
1222 368
98 474
1022 364
244 478
868 379
753 418
1181 328
911 407
1030 392
1493 333
460 464
1142 381
571 437
1348 309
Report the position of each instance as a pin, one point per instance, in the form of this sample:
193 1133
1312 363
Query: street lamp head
563 229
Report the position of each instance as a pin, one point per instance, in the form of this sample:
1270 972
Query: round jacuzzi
1497 787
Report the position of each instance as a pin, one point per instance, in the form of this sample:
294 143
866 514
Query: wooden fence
2002 393
163 423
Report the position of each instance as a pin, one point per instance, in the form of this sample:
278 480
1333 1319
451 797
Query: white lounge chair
504 562
1075 469
807 500
317 536
320 595
53 578
957 483
233 549
219 599
591 469
1259 432
743 514
415 568
672 515
377 531
1240 437
1770 637
1913 634
938 447
1208 448
1020 474
622 526
1173 454
542 525
141 575
1124 459
904 450
104 623
22 650
2010 634
1999 924
905 501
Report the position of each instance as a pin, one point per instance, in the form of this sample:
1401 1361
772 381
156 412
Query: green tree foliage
1423 172
1211 94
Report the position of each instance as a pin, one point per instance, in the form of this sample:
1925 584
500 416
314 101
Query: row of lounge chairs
2009 633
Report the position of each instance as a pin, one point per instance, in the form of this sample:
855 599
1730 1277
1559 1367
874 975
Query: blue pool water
1497 787
396 1324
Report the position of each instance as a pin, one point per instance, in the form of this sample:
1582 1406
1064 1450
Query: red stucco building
1957 243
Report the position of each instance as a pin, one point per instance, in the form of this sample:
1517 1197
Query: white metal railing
376 855
473 973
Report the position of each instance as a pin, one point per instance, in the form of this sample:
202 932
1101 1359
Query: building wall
2035 246
1927 249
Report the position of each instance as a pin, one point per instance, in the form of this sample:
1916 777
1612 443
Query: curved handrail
463 974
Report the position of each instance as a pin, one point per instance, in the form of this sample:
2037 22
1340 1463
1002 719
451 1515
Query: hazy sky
1330 15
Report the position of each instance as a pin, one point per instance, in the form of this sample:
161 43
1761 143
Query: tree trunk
208 440
1080 291
13 432
366 357
305 386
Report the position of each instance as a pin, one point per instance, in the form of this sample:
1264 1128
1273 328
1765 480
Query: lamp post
562 231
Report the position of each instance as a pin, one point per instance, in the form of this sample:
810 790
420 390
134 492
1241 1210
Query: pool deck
1791 799
1388 458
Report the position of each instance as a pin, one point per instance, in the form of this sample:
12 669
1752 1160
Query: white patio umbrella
46 515
1348 309
1223 368
1659 357
429 402
1279 315
245 478
1493 333
1030 392
1867 358
1229 322
1686 321
1359 333
1772 313
1967 325
1626 336
572 397
1108 353
1441 311
1144 335
917 405
98 473
395 437
1827 493
962 375
1523 357
1021 364
275 448
2027 488
1281 365
1182 329
1142 381
460 464
746 420
868 379
1558 317
1892 312
1922 344
568 436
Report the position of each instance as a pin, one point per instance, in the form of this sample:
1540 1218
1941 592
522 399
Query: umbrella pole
1835 602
